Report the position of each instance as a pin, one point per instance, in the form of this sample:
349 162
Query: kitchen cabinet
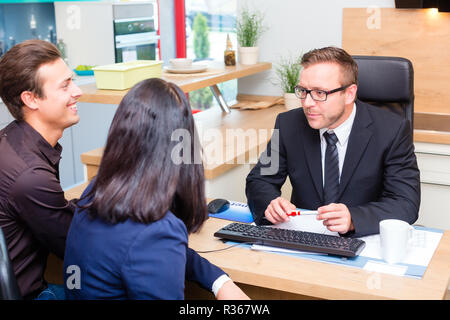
100 33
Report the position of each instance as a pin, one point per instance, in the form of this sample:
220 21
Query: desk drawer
434 163
434 168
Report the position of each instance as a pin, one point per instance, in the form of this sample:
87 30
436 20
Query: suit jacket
379 180
131 260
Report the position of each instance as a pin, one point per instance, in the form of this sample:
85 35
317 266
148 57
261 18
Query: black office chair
8 284
387 82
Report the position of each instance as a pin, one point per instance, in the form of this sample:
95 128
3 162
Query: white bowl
181 63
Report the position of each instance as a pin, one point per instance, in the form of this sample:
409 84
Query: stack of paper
421 249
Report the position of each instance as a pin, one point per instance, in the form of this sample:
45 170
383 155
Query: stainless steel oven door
134 26
135 39
138 46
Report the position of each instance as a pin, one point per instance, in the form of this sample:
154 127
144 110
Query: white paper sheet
375 266
420 250
307 223
278 249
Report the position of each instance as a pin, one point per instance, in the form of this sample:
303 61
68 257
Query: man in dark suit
351 161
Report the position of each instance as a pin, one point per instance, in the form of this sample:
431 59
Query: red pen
302 213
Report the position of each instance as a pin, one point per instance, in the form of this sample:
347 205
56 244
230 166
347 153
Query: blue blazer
131 260
379 180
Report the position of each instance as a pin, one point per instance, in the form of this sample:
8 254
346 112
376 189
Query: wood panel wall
421 35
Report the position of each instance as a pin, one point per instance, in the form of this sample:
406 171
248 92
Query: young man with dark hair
351 161
37 87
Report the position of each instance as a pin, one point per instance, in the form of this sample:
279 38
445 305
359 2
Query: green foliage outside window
201 37
202 98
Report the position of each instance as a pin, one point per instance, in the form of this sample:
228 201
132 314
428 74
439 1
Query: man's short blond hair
349 68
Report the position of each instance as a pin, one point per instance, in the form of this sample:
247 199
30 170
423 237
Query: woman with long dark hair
129 236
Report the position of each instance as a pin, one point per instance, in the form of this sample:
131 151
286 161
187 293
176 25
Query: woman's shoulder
157 237
169 225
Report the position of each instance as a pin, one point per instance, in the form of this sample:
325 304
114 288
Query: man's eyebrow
313 88
69 78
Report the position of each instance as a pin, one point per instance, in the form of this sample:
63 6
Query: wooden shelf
187 83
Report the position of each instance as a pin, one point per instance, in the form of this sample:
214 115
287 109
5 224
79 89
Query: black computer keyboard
292 239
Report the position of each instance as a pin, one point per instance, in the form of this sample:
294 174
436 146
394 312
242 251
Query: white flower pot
248 55
291 101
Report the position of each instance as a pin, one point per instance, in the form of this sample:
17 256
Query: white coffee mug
395 236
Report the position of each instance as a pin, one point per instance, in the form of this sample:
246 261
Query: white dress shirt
220 281
342 133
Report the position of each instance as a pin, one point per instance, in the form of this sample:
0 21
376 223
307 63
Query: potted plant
288 73
249 28
409 3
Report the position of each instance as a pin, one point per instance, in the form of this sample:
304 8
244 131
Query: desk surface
321 280
187 83
296 276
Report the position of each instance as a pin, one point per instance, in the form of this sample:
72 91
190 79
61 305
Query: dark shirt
34 215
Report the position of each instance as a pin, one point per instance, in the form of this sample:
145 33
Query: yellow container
124 75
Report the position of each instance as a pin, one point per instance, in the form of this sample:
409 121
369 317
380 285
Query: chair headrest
385 79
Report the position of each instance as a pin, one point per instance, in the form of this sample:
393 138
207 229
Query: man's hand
336 217
278 209
230 291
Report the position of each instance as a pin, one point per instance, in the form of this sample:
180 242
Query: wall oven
135 39
105 32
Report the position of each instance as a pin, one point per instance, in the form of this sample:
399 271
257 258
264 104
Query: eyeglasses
316 94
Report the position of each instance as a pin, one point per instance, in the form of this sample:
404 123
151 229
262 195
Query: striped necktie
331 187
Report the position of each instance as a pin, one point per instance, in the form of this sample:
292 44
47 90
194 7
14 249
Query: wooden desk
265 275
188 83
75 192
275 276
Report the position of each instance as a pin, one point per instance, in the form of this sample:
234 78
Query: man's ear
29 99
350 94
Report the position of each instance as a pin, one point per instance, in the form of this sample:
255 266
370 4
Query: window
208 22
23 21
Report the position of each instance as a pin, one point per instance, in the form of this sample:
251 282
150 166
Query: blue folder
238 211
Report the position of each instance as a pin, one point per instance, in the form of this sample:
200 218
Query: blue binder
238 211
